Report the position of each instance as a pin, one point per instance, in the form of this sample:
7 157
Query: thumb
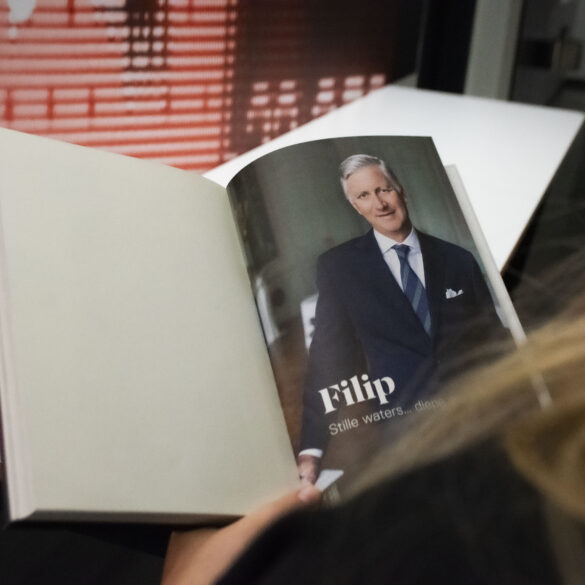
200 556
268 513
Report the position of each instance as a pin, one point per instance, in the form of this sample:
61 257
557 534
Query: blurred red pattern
152 79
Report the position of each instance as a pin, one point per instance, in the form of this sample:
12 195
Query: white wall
493 48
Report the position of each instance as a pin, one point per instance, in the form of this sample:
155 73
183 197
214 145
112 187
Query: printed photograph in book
370 288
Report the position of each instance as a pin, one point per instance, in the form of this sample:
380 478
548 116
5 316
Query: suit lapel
434 278
376 272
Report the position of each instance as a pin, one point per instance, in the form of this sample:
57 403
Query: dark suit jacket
365 324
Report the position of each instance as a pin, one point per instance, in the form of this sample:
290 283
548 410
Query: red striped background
161 88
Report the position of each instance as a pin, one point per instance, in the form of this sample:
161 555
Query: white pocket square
451 294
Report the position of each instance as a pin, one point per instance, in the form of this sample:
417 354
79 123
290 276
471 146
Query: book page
363 335
141 383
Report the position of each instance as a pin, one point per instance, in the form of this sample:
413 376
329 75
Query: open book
169 347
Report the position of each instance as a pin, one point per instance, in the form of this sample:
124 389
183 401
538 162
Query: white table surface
506 153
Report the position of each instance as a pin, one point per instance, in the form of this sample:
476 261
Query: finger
269 512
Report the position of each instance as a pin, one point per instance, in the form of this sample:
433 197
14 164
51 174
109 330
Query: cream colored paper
141 381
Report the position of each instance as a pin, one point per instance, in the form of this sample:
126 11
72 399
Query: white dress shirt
415 259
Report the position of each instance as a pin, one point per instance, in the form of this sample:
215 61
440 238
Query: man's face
369 192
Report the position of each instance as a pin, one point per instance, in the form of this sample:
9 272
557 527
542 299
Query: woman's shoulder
469 518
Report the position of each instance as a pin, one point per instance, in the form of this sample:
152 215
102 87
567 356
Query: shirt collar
385 243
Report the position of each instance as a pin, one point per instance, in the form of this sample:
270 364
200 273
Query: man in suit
397 312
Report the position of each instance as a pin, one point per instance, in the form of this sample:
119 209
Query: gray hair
357 161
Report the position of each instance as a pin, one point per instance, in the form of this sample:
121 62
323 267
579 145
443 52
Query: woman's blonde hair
547 445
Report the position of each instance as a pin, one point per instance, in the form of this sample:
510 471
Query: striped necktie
413 287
